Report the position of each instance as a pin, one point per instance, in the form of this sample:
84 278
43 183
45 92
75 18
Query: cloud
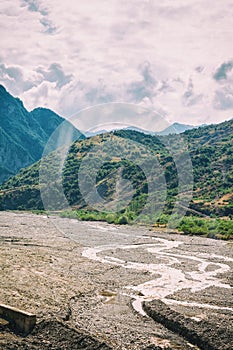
11 72
98 94
174 11
145 87
70 54
38 7
223 99
223 71
199 69
34 6
47 24
55 74
12 77
189 98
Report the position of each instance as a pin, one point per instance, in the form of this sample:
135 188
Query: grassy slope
210 149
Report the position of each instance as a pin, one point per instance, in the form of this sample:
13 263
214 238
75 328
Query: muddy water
172 264
171 279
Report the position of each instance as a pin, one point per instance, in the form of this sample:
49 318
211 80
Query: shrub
123 220
110 218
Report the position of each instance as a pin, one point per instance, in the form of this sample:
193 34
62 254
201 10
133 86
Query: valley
116 175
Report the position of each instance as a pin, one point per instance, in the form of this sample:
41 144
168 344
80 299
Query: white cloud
224 98
189 98
13 78
68 55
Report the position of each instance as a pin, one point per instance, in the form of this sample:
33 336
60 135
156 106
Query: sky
171 55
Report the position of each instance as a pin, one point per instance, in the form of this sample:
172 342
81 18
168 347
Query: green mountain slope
211 149
125 153
23 134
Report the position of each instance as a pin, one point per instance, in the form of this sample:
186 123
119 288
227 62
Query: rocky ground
82 280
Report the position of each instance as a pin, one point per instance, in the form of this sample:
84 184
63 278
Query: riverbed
96 277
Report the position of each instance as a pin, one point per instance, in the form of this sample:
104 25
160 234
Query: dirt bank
206 335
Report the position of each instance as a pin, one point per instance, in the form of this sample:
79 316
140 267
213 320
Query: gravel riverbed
94 278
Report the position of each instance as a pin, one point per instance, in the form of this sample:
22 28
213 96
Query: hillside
23 134
210 149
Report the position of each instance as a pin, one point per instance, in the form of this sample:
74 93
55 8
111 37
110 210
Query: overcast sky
176 55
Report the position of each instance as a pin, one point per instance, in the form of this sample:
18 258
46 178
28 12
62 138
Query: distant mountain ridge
175 128
23 134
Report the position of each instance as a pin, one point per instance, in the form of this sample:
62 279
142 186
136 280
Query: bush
110 218
123 220
212 228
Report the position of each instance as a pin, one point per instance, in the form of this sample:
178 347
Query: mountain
177 128
23 134
210 149
94 133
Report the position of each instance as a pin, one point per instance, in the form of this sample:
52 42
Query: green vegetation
210 149
86 215
212 228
